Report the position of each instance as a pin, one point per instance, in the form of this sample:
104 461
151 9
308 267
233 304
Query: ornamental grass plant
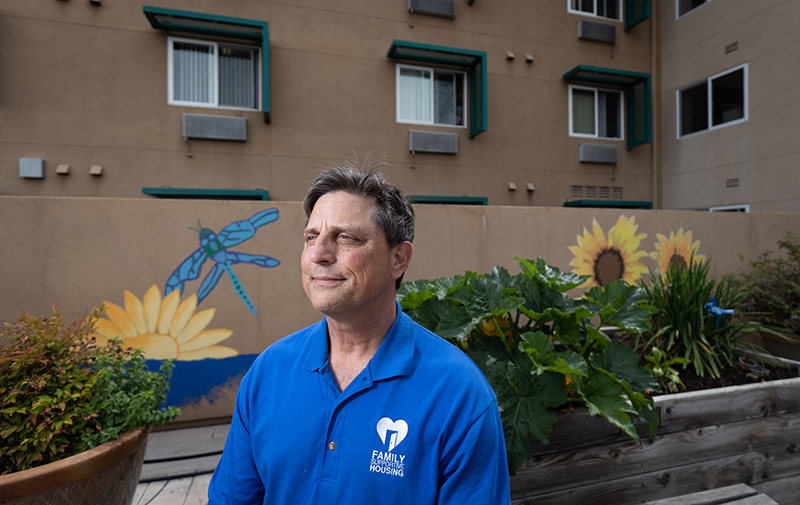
538 347
684 324
61 394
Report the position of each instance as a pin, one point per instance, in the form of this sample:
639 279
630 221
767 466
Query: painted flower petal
196 324
216 352
108 329
168 307
120 318
183 315
152 307
155 346
135 312
206 339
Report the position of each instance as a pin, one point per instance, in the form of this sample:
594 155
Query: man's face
348 267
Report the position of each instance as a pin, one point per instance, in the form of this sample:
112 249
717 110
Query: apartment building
502 102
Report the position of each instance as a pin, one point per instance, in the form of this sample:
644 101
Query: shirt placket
335 440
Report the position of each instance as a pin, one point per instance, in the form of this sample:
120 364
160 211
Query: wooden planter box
107 474
706 439
788 347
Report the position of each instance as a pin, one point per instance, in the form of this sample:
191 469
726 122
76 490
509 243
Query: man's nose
323 250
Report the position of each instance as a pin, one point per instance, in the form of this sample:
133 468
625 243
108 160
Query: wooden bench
738 494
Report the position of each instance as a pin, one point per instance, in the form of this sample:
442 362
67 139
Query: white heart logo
399 427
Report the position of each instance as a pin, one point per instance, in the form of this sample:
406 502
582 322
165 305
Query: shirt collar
394 357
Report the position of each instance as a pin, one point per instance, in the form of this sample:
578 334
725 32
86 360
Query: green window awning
449 200
208 194
637 96
474 62
610 204
636 11
220 26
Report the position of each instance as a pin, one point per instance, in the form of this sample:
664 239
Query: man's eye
309 238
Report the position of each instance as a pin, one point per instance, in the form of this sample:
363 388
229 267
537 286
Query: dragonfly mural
215 246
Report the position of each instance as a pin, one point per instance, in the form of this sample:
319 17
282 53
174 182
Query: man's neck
351 345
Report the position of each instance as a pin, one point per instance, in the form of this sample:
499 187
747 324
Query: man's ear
401 256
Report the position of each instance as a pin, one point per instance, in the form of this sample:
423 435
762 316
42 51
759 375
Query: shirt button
332 446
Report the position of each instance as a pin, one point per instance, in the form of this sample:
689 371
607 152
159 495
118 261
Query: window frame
432 70
593 14
710 103
678 14
742 207
596 115
214 78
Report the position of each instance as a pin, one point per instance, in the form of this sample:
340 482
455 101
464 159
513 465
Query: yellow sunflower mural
666 249
164 328
612 257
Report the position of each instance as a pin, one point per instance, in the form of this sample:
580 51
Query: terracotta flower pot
107 474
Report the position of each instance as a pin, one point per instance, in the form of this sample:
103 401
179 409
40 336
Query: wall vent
617 193
444 8
605 193
432 142
598 32
577 192
598 153
732 183
591 192
31 168
732 47
199 126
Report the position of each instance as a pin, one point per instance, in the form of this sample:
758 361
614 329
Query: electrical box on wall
31 168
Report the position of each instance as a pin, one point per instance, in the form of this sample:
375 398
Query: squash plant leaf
525 414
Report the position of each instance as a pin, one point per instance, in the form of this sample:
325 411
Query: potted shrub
74 416
772 286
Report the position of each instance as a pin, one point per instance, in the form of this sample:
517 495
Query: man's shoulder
437 355
289 347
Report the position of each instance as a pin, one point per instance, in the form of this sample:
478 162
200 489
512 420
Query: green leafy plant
538 347
772 284
660 365
61 394
683 324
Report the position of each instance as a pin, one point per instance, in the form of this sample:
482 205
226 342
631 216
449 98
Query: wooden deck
178 465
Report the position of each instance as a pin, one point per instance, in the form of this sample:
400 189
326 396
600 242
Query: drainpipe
655 96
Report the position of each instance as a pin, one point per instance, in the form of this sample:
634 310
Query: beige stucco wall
79 252
763 152
87 85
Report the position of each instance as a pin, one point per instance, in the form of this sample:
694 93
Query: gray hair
394 215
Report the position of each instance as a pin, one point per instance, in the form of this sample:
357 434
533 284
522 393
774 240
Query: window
720 100
430 96
731 208
595 112
684 6
610 9
211 74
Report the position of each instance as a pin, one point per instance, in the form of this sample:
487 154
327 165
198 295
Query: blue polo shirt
419 425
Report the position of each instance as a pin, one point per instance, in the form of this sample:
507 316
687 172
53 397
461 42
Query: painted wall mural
170 328
215 247
613 256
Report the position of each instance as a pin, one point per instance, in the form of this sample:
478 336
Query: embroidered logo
386 461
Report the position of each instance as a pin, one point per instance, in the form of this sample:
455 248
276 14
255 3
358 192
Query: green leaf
601 394
522 415
622 361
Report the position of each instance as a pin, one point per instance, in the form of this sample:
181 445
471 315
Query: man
366 406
